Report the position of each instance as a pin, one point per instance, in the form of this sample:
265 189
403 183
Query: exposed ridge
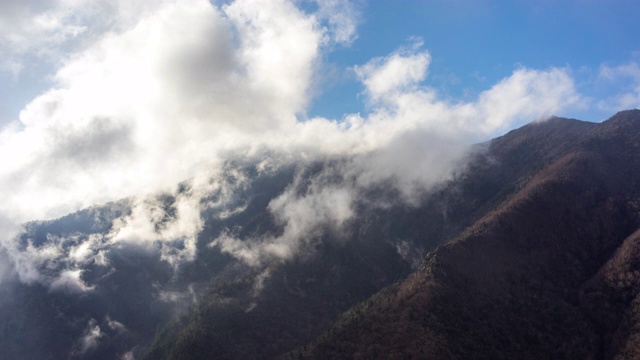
521 282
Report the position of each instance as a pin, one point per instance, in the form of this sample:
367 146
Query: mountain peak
625 116
530 259
622 124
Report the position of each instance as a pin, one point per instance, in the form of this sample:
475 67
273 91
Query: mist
151 102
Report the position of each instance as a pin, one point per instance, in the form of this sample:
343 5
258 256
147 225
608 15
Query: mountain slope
550 272
342 273
492 233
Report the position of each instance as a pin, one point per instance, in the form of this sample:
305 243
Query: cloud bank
148 94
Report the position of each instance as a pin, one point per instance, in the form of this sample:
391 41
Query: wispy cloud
166 223
116 326
90 337
411 140
70 281
342 18
627 78
160 92
389 77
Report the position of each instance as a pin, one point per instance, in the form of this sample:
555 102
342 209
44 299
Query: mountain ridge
504 311
524 246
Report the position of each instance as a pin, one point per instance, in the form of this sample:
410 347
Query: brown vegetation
551 272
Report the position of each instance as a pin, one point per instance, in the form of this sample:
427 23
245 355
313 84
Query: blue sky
473 44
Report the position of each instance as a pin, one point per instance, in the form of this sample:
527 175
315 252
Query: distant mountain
529 251
550 271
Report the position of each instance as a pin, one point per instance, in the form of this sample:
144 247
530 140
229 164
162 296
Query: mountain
528 251
126 294
549 272
497 171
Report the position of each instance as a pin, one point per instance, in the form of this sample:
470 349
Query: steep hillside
300 299
550 272
111 299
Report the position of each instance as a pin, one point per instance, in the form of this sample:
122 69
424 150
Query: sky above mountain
101 100
475 44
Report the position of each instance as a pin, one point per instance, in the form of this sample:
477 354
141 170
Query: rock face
551 271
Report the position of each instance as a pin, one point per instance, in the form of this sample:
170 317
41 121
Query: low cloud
303 211
170 90
70 281
411 140
89 339
166 223
116 326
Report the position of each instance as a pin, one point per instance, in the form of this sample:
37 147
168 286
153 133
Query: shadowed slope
301 298
549 273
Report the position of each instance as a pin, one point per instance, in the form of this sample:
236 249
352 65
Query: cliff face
549 271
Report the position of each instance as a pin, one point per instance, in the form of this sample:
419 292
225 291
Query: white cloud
626 78
40 27
411 140
278 48
115 325
90 337
527 94
168 222
389 76
342 19
70 281
631 69
29 260
163 91
302 218
83 252
186 81
174 229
